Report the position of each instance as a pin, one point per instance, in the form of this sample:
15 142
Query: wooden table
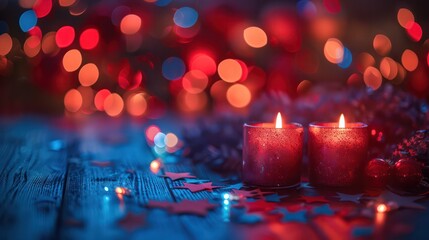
54 173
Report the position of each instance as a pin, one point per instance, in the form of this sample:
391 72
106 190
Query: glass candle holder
272 156
337 156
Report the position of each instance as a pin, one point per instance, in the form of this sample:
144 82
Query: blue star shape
349 198
237 186
325 209
299 216
274 197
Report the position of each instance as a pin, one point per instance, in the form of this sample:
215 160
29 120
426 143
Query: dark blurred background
143 58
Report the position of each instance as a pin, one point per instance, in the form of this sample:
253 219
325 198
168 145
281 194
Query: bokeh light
130 24
26 3
372 78
332 6
388 68
5 44
65 36
185 17
415 32
409 60
204 63
347 59
173 68
334 50
405 17
155 166
49 47
136 104
255 37
27 20
88 74
171 140
195 81
151 132
230 70
89 38
382 44
129 80
364 60
66 3
303 87
32 46
238 95
42 8
72 60
189 102
113 105
99 99
159 139
73 100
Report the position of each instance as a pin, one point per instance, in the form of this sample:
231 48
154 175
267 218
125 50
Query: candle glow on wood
279 121
342 122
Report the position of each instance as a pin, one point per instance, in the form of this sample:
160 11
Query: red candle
337 153
272 154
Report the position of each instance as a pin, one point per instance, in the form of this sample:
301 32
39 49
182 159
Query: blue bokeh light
173 68
162 3
27 20
159 140
347 59
185 17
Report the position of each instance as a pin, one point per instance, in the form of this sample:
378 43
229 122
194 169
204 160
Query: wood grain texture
31 180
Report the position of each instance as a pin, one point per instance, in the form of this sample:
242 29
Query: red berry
377 173
408 173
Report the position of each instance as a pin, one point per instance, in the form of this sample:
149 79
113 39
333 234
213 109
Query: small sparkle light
155 166
106 189
130 24
238 95
120 190
159 140
226 196
255 37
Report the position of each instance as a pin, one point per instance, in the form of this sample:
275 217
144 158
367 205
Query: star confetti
324 209
314 199
349 198
190 180
240 216
159 204
132 222
199 207
402 201
198 187
298 216
274 198
306 185
176 176
237 186
256 206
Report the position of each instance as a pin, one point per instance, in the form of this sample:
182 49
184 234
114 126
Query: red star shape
159 204
259 206
314 199
198 187
132 221
199 207
245 193
175 176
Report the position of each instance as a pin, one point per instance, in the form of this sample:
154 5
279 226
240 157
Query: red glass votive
272 156
337 156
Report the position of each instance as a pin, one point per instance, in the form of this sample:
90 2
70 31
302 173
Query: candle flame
342 123
279 121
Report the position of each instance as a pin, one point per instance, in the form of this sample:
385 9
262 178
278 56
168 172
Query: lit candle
272 154
337 153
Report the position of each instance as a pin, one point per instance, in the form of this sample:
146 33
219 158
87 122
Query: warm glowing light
382 44
151 132
190 102
42 8
334 50
238 95
365 60
73 100
136 104
66 3
381 208
405 17
130 24
409 60
120 190
230 70
5 44
72 60
155 166
195 81
342 122
32 46
171 140
26 3
388 68
204 63
65 36
88 74
415 32
303 87
372 78
255 37
113 105
89 38
49 46
99 99
279 122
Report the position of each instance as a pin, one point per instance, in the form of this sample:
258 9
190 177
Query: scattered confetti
237 186
199 207
315 199
349 198
274 197
298 216
240 216
195 181
198 187
132 222
176 176
402 201
361 231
